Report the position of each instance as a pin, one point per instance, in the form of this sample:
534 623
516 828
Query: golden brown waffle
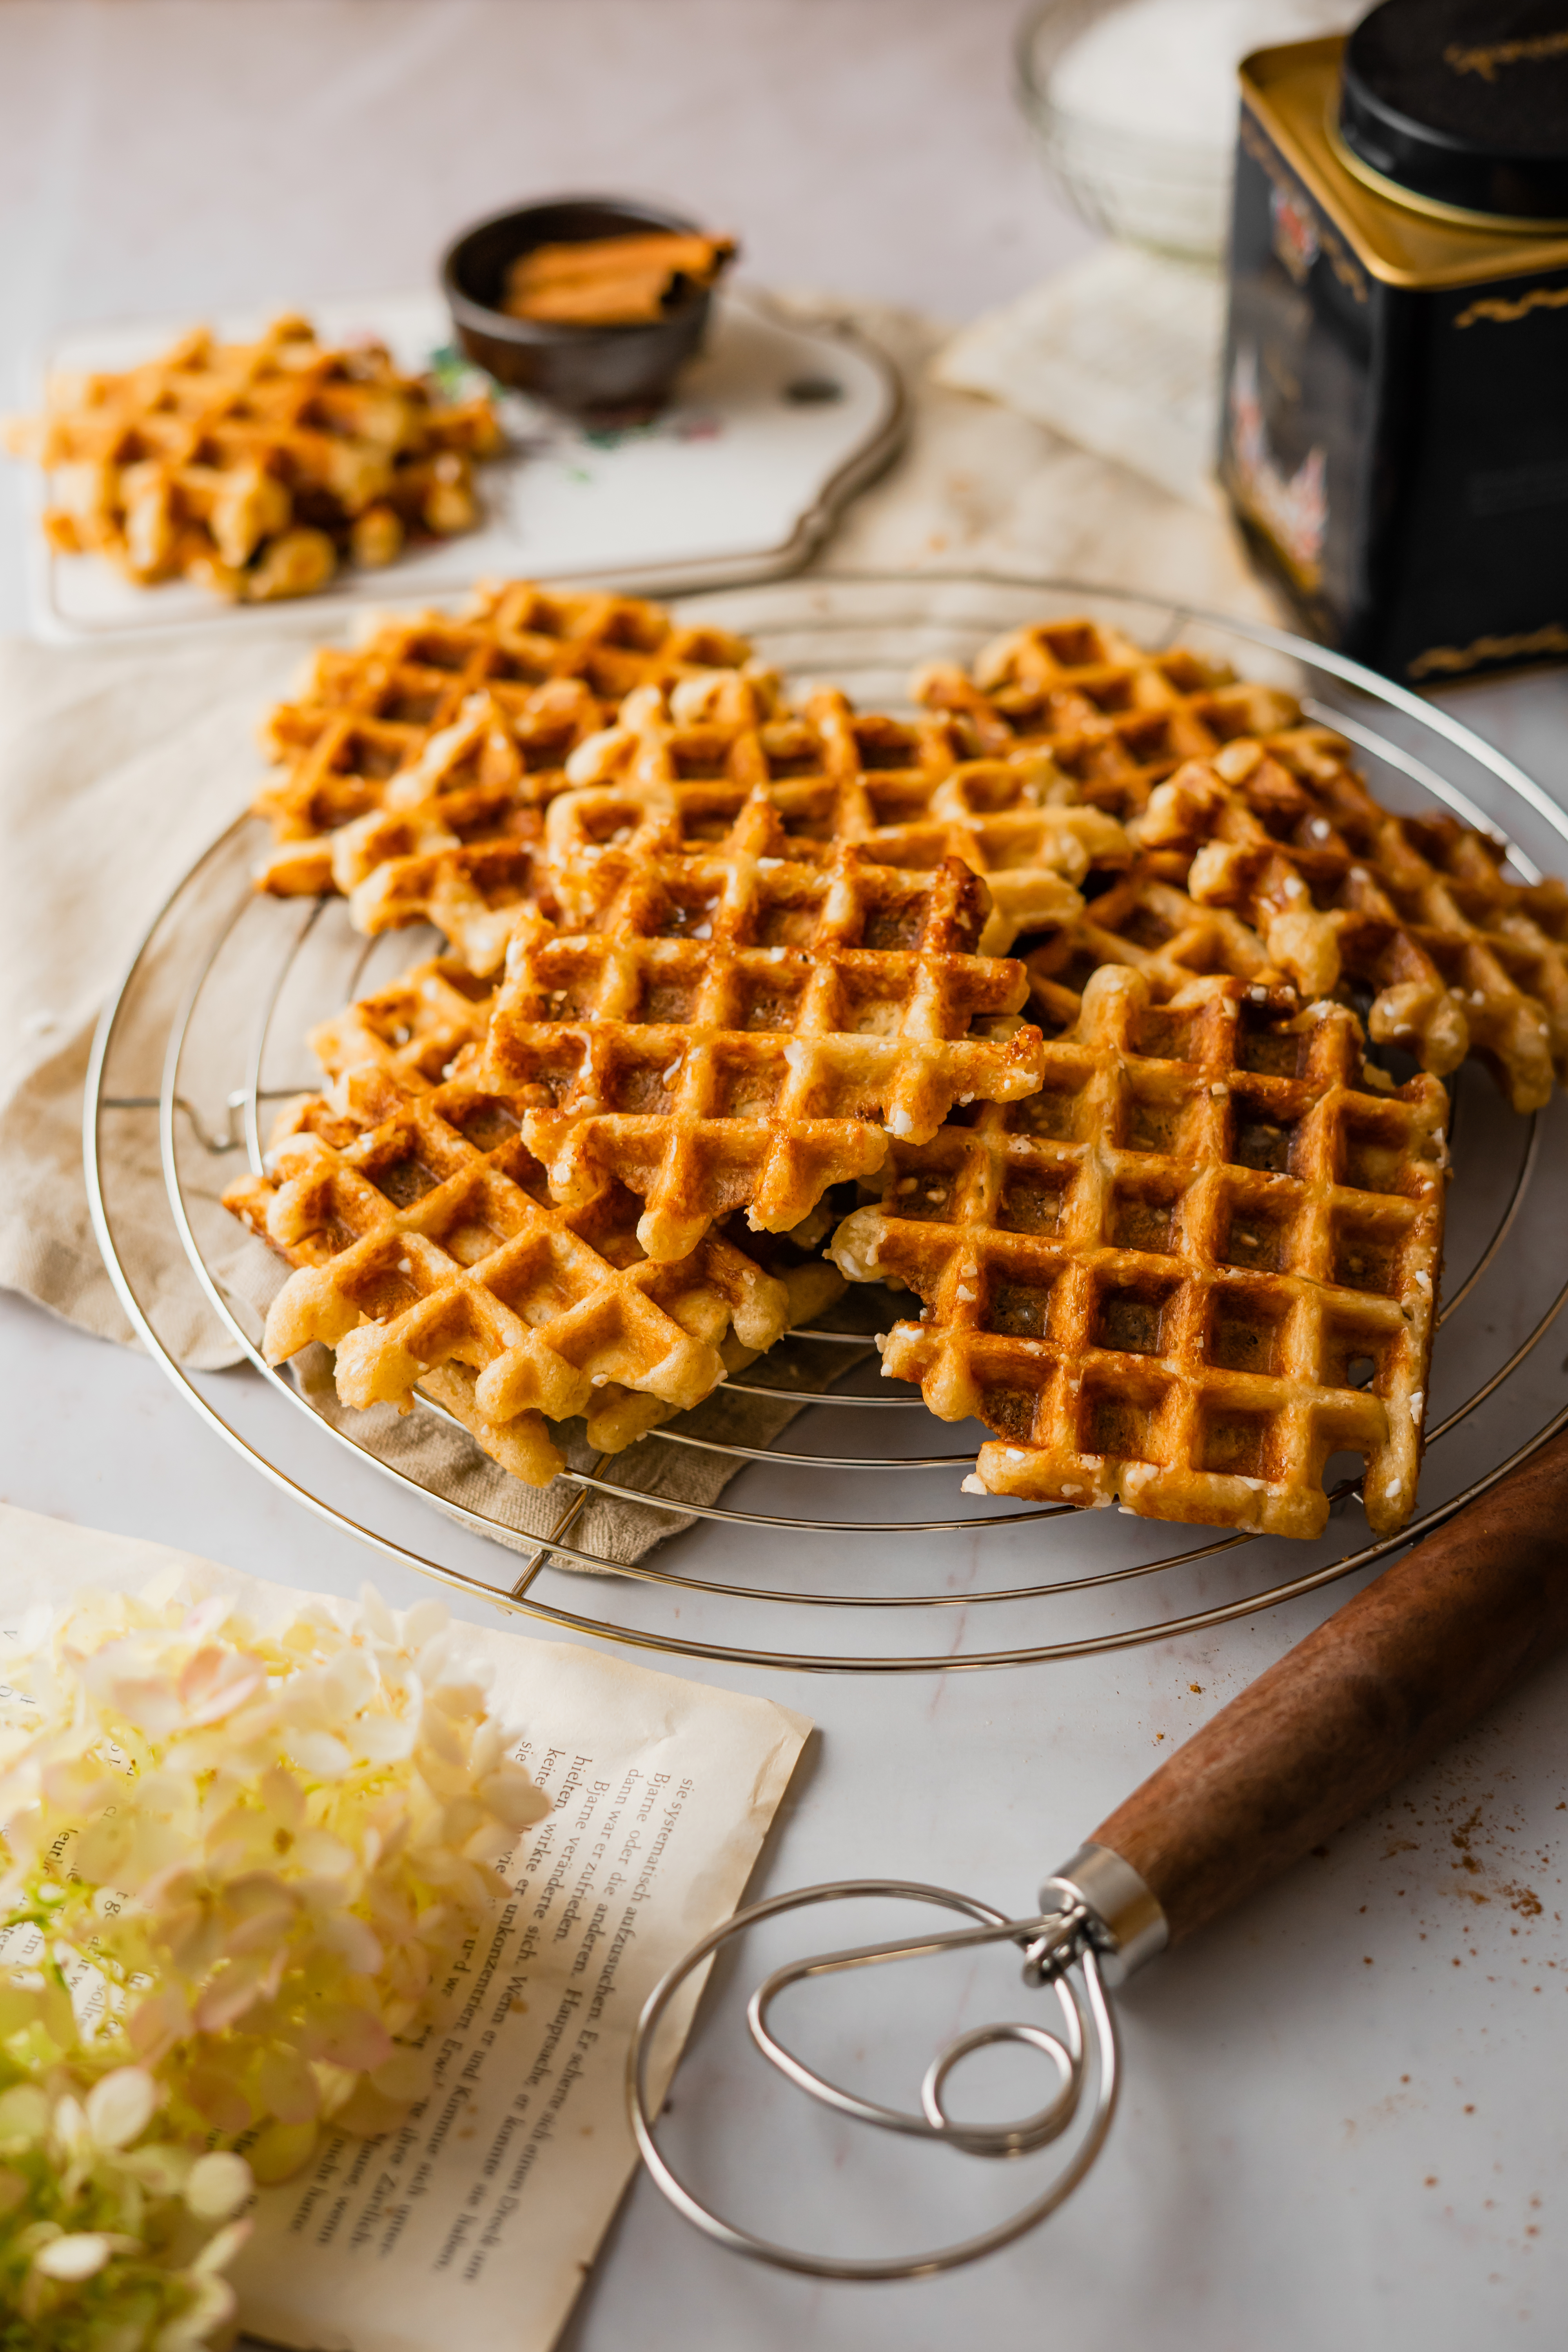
1413 910
1114 720
472 892
811 1285
832 775
429 1255
1156 1279
735 729
1152 928
745 1031
437 733
420 1030
254 469
423 1031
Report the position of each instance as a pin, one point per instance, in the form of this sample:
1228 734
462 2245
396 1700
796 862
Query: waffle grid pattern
653 787
450 728
253 468
1177 1253
1157 1279
428 1254
1415 910
1152 927
422 1029
746 1031
1114 720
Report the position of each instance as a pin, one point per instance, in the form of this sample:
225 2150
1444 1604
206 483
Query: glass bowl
1152 159
1172 194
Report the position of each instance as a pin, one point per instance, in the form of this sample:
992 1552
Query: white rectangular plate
771 429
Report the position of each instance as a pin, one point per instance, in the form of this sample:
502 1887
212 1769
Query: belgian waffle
812 1284
437 733
422 1029
738 730
427 1027
1114 720
1155 929
254 467
682 784
429 1255
1155 1279
1414 910
746 1031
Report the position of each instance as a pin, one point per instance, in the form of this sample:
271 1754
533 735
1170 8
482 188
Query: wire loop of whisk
191 1090
1060 1956
1060 1933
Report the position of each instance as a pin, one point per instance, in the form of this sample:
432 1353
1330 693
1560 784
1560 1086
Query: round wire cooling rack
824 1551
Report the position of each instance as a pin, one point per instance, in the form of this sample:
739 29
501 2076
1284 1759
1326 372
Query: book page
475 2224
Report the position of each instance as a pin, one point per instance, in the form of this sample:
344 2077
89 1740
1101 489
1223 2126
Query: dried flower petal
217 2185
121 2107
81 2254
281 2150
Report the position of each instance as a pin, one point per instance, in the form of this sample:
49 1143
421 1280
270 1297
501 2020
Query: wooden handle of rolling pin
1372 1694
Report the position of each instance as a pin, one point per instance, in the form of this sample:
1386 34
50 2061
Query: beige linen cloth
118 768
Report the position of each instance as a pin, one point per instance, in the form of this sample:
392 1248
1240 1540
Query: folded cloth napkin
116 768
984 485
1121 354
608 1527
116 771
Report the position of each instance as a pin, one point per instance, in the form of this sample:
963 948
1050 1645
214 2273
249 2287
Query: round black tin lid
1463 104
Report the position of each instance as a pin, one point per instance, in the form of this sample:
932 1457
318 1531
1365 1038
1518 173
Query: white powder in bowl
1167 68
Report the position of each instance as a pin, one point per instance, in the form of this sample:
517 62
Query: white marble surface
1344 2123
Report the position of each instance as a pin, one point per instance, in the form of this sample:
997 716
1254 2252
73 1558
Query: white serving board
738 479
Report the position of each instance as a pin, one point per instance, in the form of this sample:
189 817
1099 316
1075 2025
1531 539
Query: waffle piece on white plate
1200 1261
1114 720
429 1255
1413 910
743 1032
254 469
456 726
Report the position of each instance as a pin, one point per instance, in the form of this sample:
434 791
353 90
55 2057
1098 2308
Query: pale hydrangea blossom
242 1860
111 2241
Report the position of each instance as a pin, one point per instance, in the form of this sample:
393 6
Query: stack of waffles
254 469
577 1166
1049 1004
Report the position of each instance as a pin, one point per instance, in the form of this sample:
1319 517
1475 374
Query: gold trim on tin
1393 192
1449 661
1539 297
1287 89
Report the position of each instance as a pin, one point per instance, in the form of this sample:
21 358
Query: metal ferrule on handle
1121 1918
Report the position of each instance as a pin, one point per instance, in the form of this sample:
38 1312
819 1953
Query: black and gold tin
1395 410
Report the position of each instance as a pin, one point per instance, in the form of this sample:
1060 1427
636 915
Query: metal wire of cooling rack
167 1055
